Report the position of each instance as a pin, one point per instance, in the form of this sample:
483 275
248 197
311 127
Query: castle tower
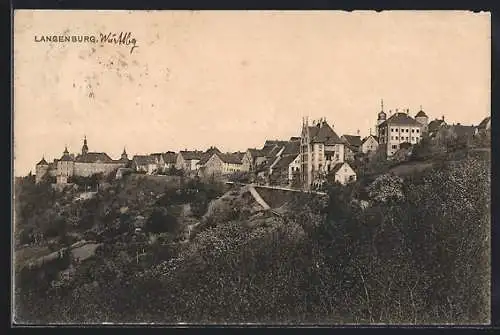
382 116
422 118
85 148
65 167
41 170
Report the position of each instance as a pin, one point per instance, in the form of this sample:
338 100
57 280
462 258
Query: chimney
357 132
442 117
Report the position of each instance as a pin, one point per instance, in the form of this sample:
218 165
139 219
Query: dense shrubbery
418 254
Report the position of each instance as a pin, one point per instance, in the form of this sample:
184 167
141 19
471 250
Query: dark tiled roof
337 167
292 147
353 140
324 134
231 158
483 123
273 152
169 157
144 159
212 150
465 131
274 142
66 158
435 124
285 161
42 162
205 159
256 152
401 119
93 157
190 155
421 114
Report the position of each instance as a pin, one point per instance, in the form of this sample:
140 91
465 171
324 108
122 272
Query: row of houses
308 160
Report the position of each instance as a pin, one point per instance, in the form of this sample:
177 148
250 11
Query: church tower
124 155
85 148
381 117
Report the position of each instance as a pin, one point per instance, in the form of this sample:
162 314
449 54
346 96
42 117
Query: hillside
206 253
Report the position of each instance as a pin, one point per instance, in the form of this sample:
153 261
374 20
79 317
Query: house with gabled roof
369 144
188 160
484 126
145 163
342 173
285 169
434 126
219 164
321 148
169 159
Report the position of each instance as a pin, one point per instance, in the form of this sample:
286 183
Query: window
394 146
417 130
392 130
397 138
407 137
392 137
413 130
413 138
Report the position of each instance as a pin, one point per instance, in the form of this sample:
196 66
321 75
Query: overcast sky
235 79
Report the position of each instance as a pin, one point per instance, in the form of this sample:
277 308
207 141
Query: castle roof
93 157
401 119
42 162
421 114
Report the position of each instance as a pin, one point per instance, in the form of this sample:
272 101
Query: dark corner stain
74 85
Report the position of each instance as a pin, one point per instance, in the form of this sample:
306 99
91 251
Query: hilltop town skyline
192 84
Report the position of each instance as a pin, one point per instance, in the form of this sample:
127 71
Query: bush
161 221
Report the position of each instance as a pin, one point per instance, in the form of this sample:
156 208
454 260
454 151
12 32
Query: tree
161 221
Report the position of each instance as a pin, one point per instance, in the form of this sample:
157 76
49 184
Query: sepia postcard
251 167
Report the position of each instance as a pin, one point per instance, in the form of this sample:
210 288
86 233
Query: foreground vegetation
417 250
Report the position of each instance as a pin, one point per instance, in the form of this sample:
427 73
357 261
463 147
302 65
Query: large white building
399 128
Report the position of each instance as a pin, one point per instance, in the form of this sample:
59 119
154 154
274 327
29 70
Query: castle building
400 128
41 169
83 165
